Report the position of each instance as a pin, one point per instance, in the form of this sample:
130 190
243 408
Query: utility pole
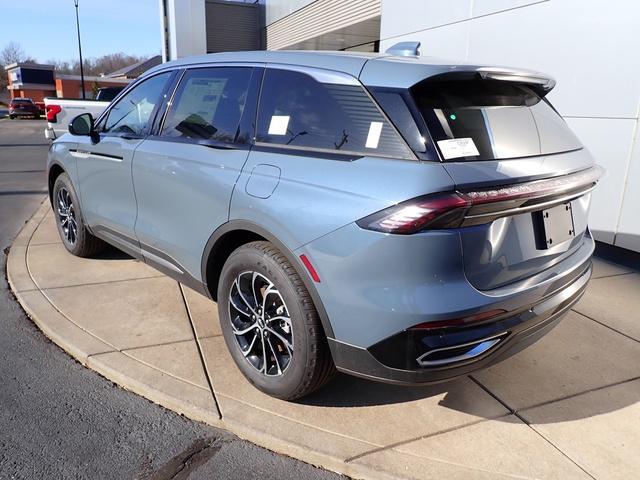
80 49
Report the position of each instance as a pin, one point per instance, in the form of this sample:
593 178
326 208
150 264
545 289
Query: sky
46 29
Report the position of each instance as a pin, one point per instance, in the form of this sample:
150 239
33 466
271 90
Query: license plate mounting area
554 226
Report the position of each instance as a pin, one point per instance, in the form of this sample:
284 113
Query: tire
11 117
298 360
73 233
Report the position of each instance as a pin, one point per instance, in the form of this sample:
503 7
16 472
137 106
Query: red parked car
23 107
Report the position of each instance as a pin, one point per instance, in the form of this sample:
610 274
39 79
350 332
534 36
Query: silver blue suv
385 215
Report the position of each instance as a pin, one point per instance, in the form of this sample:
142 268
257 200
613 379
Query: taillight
52 112
465 208
415 215
460 322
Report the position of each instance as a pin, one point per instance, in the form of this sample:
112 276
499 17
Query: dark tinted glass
108 93
487 120
296 110
209 104
132 113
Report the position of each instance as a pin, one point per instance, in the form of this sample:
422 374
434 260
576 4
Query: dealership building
588 48
37 81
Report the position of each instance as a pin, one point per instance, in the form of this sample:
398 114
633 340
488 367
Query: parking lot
565 408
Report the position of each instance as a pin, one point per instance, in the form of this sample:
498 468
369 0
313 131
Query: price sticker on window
279 124
373 138
458 147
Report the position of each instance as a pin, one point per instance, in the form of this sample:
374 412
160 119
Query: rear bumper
395 359
49 133
23 113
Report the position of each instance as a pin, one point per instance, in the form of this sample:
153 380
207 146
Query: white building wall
186 27
589 46
277 9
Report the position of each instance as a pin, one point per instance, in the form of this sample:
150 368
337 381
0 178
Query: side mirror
82 125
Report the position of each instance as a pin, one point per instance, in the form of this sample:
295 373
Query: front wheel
74 234
270 324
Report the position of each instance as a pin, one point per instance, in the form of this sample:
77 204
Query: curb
91 352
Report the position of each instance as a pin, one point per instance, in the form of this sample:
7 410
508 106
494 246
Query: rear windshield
491 120
21 100
108 93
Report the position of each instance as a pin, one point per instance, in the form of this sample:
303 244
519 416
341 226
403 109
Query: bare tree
12 53
97 66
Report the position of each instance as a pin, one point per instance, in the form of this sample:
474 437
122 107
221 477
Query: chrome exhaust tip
458 353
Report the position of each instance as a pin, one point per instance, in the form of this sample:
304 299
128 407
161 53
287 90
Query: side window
297 110
208 104
133 111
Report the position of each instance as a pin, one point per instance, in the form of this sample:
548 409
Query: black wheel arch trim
245 225
53 165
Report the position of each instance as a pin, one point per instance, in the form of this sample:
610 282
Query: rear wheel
12 117
270 324
73 233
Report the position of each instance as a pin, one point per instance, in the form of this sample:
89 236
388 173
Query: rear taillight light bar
474 207
52 111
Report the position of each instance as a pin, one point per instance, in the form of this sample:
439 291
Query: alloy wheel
67 216
261 323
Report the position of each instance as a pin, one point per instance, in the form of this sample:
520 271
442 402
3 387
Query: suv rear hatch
523 175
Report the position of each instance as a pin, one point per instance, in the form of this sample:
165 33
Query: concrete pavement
567 407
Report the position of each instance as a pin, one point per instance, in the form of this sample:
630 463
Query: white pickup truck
60 111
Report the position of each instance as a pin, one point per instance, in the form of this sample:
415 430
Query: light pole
79 49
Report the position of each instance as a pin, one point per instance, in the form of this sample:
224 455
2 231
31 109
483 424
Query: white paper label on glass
458 147
279 124
375 129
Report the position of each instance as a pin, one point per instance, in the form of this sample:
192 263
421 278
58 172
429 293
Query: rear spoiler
404 69
539 82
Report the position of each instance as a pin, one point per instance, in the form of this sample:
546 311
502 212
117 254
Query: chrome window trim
352 153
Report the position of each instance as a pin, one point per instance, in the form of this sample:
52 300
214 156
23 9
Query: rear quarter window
491 120
296 110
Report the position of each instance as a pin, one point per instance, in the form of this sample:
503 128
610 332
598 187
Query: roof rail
405 49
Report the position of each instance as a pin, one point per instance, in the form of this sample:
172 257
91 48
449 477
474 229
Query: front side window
208 104
491 120
298 111
132 113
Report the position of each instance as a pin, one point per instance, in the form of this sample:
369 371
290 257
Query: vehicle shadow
351 392
347 391
112 253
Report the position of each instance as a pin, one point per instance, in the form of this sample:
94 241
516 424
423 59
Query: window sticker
458 147
279 124
375 129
